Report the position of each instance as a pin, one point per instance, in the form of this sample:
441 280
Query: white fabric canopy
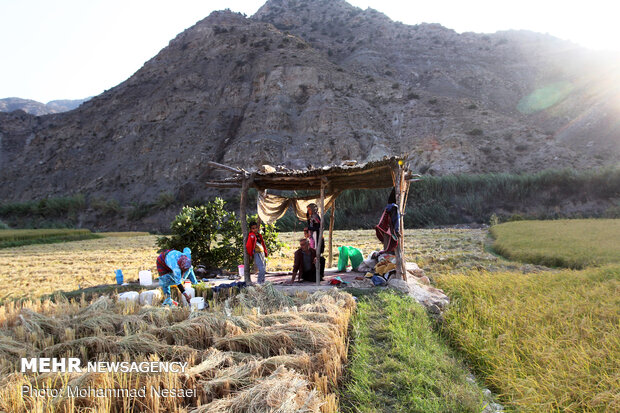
273 207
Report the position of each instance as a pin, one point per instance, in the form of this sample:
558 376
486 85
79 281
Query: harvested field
287 357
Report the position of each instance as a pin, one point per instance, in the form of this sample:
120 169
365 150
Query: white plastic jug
146 278
197 303
149 296
189 290
242 271
129 296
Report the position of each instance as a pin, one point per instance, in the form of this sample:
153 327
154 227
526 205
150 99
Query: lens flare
544 97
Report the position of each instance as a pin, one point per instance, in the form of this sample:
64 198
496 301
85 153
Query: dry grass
279 359
37 270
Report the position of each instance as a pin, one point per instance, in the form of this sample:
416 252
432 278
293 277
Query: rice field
256 351
575 243
545 342
38 270
544 339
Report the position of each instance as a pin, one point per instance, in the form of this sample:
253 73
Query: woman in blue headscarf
174 267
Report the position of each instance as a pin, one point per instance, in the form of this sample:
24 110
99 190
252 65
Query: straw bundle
198 332
284 391
262 296
298 362
230 379
213 360
282 338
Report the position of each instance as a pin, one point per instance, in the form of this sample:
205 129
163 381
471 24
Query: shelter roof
348 175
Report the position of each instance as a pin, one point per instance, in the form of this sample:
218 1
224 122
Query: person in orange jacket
256 248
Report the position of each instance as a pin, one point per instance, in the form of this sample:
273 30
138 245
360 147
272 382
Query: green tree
214 235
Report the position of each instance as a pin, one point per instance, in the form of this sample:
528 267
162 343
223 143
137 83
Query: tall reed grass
468 198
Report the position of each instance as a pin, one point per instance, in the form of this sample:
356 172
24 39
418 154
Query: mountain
308 83
37 108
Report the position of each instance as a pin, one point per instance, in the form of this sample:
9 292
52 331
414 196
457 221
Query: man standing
256 248
305 262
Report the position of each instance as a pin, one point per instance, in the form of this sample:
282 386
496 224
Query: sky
72 49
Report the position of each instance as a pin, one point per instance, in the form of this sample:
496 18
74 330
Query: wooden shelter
388 172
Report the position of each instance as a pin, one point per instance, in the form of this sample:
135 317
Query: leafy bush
214 235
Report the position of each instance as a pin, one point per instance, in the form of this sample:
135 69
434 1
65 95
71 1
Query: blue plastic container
119 276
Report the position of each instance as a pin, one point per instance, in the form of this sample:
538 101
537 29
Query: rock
424 280
433 309
425 295
415 270
267 169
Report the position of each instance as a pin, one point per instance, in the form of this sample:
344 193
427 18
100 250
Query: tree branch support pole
399 187
244 227
332 217
319 243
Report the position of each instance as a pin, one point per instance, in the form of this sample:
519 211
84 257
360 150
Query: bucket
197 303
190 291
129 296
119 276
146 278
241 270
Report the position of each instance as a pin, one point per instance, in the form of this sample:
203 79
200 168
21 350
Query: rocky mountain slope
37 108
315 82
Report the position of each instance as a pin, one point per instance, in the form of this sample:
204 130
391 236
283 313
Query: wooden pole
244 228
398 183
225 167
319 242
404 191
332 217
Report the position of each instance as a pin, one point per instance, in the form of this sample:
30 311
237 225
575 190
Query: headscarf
184 262
314 208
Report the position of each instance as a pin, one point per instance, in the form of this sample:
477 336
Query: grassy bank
18 237
561 243
545 342
398 364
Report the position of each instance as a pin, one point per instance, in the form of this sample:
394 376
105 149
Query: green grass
398 364
561 243
18 237
545 342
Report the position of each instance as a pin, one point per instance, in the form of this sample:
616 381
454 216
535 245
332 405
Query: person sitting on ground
305 262
258 250
174 267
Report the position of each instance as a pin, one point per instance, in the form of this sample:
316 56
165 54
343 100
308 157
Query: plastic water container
190 291
129 296
148 297
119 276
146 278
241 270
197 303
